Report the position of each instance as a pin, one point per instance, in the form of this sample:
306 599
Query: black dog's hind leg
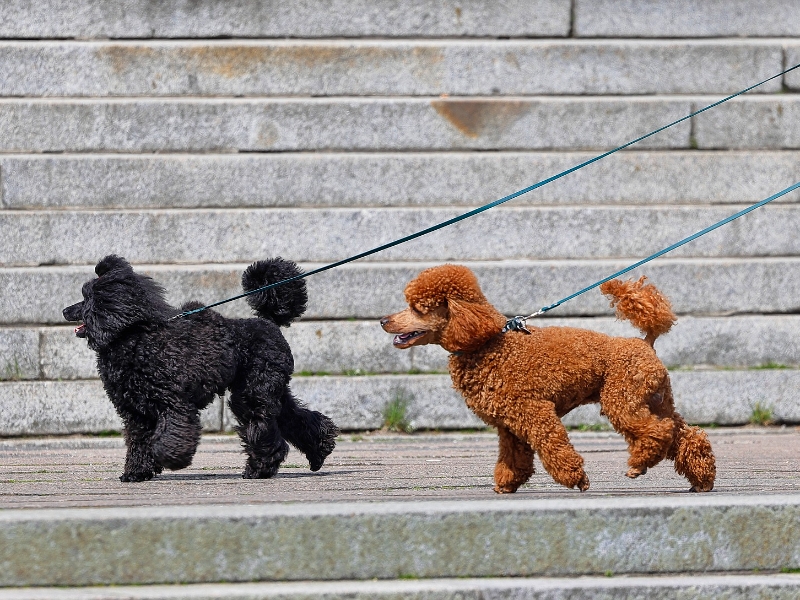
309 431
261 438
140 464
176 437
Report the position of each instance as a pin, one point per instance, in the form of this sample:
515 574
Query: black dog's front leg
140 464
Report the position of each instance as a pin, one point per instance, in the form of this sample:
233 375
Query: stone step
685 18
390 179
362 347
36 295
384 18
391 540
699 587
254 18
508 123
254 125
386 67
721 397
504 233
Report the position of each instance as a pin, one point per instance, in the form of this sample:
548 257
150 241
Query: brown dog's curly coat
523 384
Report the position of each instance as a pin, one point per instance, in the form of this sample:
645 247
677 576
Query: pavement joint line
384 508
254 589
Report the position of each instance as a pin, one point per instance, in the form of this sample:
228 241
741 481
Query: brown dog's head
445 307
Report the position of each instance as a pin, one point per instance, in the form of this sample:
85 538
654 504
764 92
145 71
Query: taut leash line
518 322
485 207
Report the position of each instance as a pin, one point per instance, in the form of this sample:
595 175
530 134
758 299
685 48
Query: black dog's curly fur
159 373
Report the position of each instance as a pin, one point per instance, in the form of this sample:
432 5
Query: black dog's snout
73 312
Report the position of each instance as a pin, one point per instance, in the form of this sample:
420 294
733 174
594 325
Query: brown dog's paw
635 472
702 488
583 484
505 489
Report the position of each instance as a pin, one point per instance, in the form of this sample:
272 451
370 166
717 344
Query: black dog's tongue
80 330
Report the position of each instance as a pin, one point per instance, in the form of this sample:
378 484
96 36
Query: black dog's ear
110 262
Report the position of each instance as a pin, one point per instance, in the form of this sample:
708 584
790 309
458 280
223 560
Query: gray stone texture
66 407
19 353
677 534
686 18
792 79
362 347
390 68
697 587
753 123
273 18
373 290
177 125
390 179
504 233
723 397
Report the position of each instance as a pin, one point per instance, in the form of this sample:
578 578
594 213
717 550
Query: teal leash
481 209
518 322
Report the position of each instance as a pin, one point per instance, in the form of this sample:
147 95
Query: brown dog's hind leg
640 408
694 459
536 422
514 462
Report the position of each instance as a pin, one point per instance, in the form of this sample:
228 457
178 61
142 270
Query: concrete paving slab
390 179
372 467
753 122
289 124
505 233
385 68
686 18
697 587
255 18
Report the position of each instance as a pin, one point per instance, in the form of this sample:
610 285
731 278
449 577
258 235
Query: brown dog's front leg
537 422
514 462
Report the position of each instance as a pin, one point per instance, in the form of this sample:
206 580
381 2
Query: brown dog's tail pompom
642 304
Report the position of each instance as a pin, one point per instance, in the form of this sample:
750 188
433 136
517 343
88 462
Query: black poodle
160 371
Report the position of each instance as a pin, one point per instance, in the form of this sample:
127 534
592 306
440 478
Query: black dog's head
117 299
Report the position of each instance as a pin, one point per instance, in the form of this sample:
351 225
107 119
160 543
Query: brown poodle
523 384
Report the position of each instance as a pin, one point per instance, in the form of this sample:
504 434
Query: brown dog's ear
470 325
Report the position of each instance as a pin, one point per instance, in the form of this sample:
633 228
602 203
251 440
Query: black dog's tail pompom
282 304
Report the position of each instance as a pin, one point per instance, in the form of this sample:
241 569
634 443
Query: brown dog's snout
385 321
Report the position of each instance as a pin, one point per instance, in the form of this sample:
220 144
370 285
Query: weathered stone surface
504 233
723 397
62 407
362 347
792 79
373 290
699 587
389 540
753 123
256 18
685 18
338 124
361 402
19 353
390 179
393 68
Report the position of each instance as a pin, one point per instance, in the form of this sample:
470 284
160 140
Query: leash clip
516 324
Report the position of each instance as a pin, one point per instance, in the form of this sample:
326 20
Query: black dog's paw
324 447
261 472
136 476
